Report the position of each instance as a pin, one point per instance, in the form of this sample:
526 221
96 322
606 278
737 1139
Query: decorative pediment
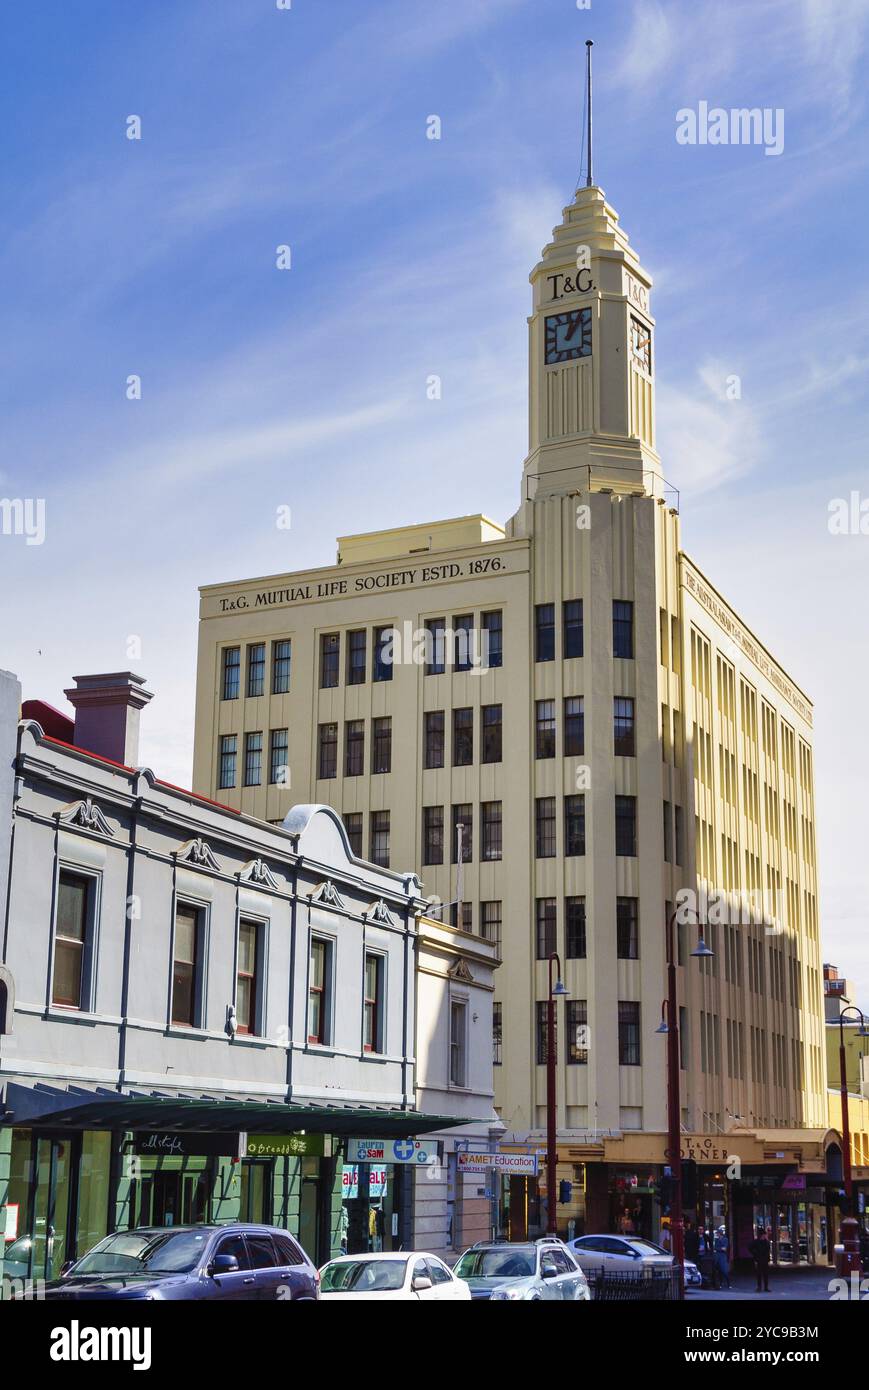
258 872
327 894
379 912
198 853
87 815
461 971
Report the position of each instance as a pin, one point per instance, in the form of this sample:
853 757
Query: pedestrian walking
760 1252
721 1246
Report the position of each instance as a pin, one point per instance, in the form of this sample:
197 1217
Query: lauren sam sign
521 1165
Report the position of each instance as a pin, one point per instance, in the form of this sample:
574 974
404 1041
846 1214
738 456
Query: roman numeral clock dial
568 335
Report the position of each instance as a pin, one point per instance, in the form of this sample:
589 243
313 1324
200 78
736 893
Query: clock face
641 346
568 335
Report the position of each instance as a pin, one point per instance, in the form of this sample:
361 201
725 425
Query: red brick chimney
107 709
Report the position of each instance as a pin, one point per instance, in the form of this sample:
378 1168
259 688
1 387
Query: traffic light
565 1191
666 1191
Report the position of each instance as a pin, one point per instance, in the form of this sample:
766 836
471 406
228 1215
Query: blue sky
306 388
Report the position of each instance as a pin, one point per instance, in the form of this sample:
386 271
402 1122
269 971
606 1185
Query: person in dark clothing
760 1252
692 1243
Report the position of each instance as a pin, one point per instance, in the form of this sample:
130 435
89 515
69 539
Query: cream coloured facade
628 738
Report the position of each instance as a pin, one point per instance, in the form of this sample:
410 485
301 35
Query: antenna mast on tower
589 44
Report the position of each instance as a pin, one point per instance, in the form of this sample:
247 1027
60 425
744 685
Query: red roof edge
161 782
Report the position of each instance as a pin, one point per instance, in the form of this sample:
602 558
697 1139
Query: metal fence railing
636 1286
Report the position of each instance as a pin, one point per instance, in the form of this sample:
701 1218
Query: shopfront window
93 1189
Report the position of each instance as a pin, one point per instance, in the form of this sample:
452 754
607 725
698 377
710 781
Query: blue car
238 1261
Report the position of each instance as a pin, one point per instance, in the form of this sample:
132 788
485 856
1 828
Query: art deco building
625 737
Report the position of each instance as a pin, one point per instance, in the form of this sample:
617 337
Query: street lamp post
670 1026
848 1230
556 992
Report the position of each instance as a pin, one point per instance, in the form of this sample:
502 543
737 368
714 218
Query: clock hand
572 333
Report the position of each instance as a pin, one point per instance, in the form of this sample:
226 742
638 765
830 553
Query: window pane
544 643
493 629
574 727
572 628
545 741
281 667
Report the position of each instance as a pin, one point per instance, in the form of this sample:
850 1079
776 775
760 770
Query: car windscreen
496 1264
363 1276
646 1247
150 1252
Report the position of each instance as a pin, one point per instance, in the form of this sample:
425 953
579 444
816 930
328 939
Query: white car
399 1276
531 1270
617 1254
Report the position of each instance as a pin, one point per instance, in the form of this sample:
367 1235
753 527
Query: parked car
236 1261
393 1276
531 1270
693 1279
617 1254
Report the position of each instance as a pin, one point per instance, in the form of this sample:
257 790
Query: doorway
54 1173
172 1196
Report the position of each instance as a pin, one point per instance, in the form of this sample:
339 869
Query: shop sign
288 1145
704 1148
521 1165
170 1144
377 1182
794 1182
391 1151
349 1181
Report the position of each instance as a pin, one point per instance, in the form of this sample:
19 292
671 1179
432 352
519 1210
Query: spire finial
589 44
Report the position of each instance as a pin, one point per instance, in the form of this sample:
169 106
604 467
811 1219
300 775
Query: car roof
384 1255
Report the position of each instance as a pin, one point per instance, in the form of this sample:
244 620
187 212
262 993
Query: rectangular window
256 669
353 826
577 1032
356 656
231 672
490 829
463 737
626 825
497 1034
545 729
490 922
574 928
463 650
330 657
247 977
542 1030
544 632
629 1034
373 1005
281 662
70 939
680 835
571 613
545 827
432 834
320 993
228 751
435 629
668 834
354 747
279 757
185 965
547 928
434 738
253 759
381 746
623 629
574 727
492 733
493 642
383 647
574 825
458 1032
380 838
327 762
463 817
627 929
624 738
467 921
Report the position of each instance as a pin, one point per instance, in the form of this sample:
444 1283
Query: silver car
618 1254
530 1271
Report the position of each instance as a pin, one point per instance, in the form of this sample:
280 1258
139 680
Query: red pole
673 1109
551 1155
846 1127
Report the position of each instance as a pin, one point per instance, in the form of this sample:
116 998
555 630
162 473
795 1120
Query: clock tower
591 360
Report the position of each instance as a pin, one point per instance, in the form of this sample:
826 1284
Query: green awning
77 1109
